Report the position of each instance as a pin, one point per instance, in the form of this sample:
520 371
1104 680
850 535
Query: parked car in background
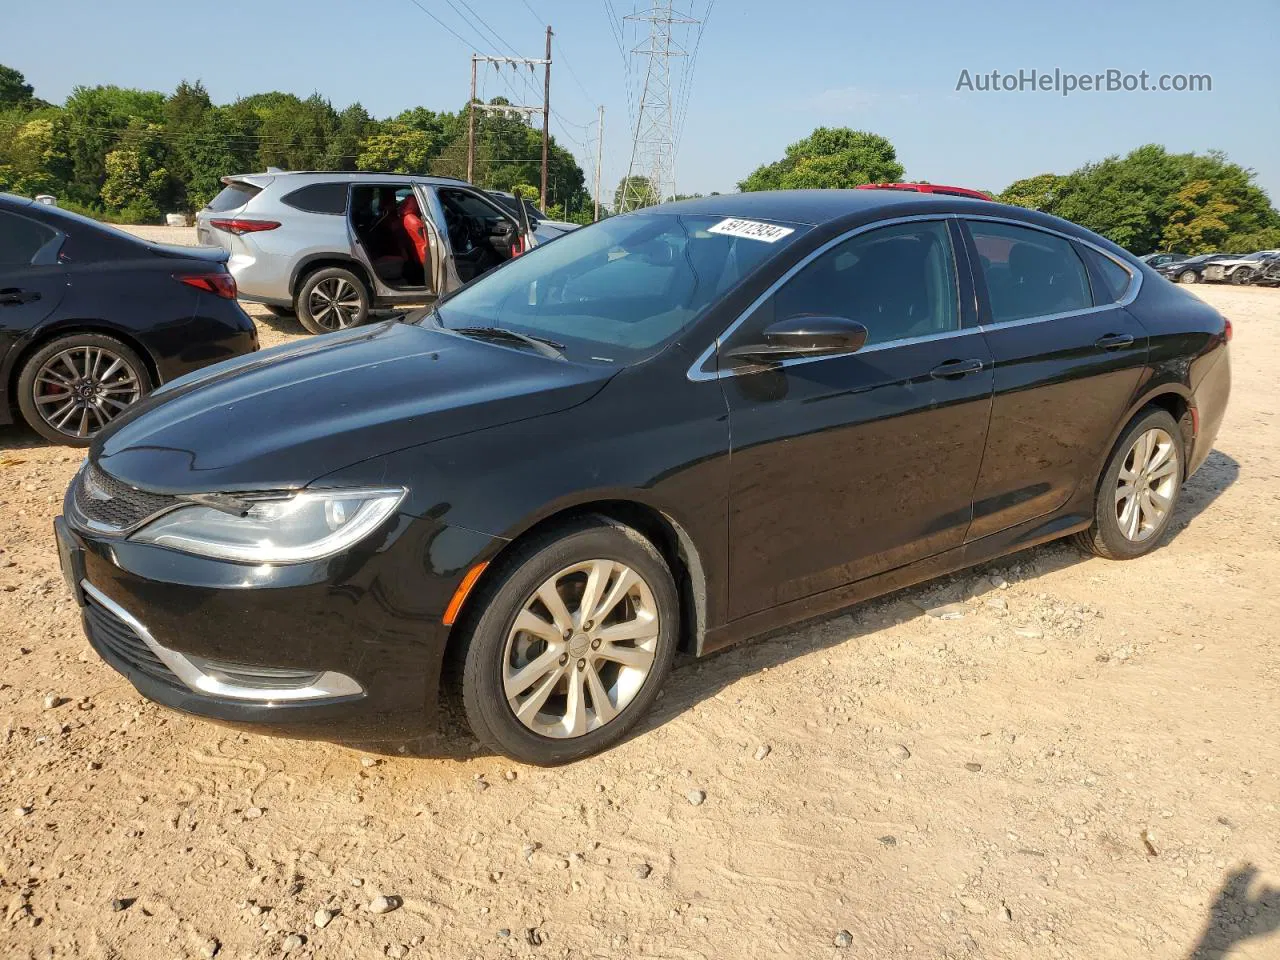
542 229
928 188
1190 270
1239 270
93 318
1160 259
332 247
674 429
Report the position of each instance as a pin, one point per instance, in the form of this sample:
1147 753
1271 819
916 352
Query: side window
1029 273
319 198
1113 280
21 239
898 282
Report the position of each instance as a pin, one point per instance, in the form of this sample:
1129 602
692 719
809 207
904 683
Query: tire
1112 533
1242 276
286 313
497 653
1188 276
332 299
74 386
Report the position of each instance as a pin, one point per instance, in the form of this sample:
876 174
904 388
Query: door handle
13 297
954 369
1113 341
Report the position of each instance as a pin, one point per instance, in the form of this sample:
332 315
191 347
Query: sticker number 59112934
751 229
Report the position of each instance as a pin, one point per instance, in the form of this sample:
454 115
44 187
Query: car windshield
621 289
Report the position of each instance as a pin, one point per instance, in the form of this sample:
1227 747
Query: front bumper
346 648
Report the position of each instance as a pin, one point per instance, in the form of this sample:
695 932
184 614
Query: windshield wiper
544 346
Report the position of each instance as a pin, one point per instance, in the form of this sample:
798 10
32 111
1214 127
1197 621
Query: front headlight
285 528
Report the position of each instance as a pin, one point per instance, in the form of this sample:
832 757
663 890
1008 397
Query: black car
1160 259
668 430
1191 269
92 318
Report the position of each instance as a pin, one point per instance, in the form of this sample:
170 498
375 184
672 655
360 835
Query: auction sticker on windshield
751 230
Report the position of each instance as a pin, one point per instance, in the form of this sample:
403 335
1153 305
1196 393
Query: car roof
14 202
328 176
822 206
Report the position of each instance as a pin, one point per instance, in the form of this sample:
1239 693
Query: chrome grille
116 639
104 500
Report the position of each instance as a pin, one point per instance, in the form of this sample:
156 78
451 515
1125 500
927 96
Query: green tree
1042 192
134 185
829 158
94 121
14 89
633 193
1151 199
31 162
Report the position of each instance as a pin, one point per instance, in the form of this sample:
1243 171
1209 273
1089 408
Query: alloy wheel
580 648
334 303
1146 485
78 391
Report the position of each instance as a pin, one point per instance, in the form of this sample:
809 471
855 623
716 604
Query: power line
687 85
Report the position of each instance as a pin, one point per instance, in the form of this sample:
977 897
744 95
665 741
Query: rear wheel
569 643
1187 276
332 299
74 386
1139 489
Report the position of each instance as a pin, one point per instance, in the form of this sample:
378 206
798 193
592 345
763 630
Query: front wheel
1187 276
569 642
1242 276
1139 489
332 299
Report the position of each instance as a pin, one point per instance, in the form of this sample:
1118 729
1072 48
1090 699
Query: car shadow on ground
1237 915
694 681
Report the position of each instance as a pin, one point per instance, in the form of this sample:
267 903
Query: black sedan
668 430
92 318
1189 269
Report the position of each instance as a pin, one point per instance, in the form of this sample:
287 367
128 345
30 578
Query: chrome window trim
696 374
328 685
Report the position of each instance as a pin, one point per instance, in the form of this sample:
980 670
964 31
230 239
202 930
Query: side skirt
1025 535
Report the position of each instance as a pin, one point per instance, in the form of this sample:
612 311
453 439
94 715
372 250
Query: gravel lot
1085 764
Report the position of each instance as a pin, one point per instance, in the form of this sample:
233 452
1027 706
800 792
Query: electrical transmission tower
653 151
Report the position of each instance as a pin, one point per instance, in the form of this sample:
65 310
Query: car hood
281 418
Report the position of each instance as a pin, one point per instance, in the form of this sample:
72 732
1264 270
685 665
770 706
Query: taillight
1226 330
219 284
240 227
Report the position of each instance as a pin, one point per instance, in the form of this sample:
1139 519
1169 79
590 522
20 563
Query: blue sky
766 73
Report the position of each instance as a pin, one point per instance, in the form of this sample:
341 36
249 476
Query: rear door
32 280
1068 358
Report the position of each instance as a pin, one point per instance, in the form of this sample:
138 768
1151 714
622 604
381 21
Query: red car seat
411 219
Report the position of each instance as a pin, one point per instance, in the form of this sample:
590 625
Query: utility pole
546 117
525 111
471 125
654 147
599 151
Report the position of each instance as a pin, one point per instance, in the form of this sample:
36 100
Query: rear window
319 198
233 195
1115 279
21 239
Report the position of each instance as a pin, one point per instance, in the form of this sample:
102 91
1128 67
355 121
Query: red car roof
927 188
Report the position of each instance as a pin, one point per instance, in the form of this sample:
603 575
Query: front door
846 466
1068 358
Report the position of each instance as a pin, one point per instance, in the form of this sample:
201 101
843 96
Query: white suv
331 247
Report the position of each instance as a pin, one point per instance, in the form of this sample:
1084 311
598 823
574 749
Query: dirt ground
1085 764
